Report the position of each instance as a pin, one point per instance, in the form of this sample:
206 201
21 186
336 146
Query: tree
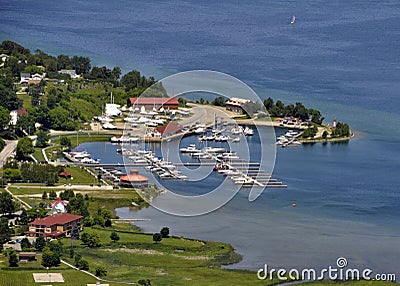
23 218
12 258
6 203
51 101
56 246
8 97
5 231
75 232
116 72
33 69
81 64
50 258
83 264
324 135
219 101
65 142
144 282
26 123
85 238
92 240
100 271
42 138
39 243
67 195
182 102
164 232
12 174
24 148
268 103
5 118
52 195
114 236
78 258
157 237
60 119
71 253
25 244
44 196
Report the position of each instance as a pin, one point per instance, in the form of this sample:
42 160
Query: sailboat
293 20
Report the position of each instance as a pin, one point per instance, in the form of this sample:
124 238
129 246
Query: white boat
90 161
237 130
200 130
214 150
124 139
293 20
130 119
217 131
221 138
109 126
237 139
248 131
202 138
190 149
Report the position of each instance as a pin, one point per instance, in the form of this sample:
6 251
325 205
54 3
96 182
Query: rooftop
153 100
56 219
170 128
136 178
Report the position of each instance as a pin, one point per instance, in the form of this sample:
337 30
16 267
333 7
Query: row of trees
279 109
31 172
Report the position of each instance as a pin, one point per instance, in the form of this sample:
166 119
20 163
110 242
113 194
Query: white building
15 114
112 109
71 73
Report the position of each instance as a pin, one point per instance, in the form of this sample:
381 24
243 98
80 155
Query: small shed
27 256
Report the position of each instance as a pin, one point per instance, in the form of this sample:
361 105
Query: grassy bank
173 261
22 275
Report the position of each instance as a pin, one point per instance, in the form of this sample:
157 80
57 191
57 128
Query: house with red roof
169 129
15 114
154 102
54 226
58 206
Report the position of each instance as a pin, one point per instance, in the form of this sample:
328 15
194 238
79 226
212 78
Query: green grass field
22 275
174 261
79 177
27 101
38 155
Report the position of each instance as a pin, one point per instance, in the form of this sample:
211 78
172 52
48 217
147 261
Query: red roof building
65 175
134 180
169 129
58 201
154 102
21 112
54 226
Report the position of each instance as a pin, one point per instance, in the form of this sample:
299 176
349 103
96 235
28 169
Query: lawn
97 198
173 261
22 275
38 154
27 100
79 177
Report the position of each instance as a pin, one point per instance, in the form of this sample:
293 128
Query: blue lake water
341 57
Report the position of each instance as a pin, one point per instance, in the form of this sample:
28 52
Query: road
8 149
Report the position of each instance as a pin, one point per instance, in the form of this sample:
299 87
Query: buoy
294 205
